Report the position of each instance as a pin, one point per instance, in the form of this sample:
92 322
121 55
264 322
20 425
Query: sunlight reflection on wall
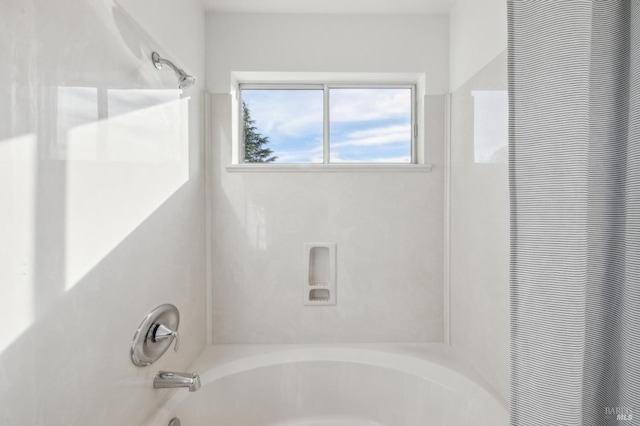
92 141
17 185
120 169
490 126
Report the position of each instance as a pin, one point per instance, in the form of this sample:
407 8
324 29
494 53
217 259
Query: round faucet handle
162 332
155 334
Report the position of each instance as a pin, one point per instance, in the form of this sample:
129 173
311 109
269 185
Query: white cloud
397 159
393 134
298 112
308 156
349 105
286 112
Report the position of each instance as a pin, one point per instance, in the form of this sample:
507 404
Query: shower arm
158 61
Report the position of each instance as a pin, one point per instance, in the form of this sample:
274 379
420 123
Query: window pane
283 125
370 125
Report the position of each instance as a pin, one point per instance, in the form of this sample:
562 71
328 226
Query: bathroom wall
478 33
327 43
102 211
479 197
388 226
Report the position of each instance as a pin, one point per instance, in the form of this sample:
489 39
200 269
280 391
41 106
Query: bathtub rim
438 363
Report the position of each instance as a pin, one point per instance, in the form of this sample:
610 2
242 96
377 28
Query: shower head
184 80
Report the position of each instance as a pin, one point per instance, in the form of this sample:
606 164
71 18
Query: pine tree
255 150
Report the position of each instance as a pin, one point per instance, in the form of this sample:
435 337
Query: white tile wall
478 33
480 223
388 230
328 43
387 226
101 204
102 211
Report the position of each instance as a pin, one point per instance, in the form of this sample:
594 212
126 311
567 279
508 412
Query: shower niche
319 283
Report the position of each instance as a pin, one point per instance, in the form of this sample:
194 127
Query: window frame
326 137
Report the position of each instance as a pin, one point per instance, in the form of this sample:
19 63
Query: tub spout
167 379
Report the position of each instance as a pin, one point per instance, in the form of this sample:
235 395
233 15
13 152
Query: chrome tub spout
167 379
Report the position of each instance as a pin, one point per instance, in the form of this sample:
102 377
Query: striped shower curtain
574 83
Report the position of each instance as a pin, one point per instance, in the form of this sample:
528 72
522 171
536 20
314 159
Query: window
327 124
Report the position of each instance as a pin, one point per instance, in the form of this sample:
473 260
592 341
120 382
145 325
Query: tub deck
321 384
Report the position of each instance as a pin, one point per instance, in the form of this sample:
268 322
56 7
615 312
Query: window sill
330 168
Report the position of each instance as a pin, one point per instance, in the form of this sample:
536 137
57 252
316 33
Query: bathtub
337 385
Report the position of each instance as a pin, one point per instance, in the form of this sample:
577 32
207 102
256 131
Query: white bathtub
337 385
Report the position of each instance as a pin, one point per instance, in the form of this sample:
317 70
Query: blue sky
367 125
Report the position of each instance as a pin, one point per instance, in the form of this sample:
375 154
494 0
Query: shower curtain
574 170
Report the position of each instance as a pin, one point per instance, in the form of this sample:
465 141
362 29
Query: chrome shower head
184 80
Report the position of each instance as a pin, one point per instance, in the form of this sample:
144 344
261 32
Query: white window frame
325 87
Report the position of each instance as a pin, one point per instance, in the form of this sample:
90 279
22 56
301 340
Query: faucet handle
155 334
162 332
